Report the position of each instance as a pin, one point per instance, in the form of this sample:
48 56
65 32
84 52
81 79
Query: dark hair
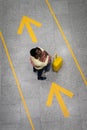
33 51
38 48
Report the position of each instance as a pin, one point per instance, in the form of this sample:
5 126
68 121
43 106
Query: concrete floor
72 16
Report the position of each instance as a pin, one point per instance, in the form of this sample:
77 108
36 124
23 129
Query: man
41 61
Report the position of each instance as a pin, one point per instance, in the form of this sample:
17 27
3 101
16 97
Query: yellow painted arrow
27 21
55 90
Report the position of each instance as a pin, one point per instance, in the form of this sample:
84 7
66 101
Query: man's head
38 51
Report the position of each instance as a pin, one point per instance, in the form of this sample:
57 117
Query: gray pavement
72 16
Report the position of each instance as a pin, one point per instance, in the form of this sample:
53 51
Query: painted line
66 41
17 82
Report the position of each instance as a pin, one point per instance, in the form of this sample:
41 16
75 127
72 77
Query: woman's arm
38 63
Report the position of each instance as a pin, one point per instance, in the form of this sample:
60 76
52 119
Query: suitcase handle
55 56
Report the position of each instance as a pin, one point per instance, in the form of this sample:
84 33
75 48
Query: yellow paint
66 41
27 21
55 90
17 82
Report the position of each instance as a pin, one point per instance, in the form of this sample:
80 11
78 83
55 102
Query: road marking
27 21
66 41
16 79
55 90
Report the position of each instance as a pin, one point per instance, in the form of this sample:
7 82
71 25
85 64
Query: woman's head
36 52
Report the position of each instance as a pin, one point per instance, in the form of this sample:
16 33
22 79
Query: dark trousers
44 69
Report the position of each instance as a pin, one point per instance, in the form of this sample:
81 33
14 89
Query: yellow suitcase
57 63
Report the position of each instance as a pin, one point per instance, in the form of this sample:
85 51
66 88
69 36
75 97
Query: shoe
41 78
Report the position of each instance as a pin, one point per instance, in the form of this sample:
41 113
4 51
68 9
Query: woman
41 61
